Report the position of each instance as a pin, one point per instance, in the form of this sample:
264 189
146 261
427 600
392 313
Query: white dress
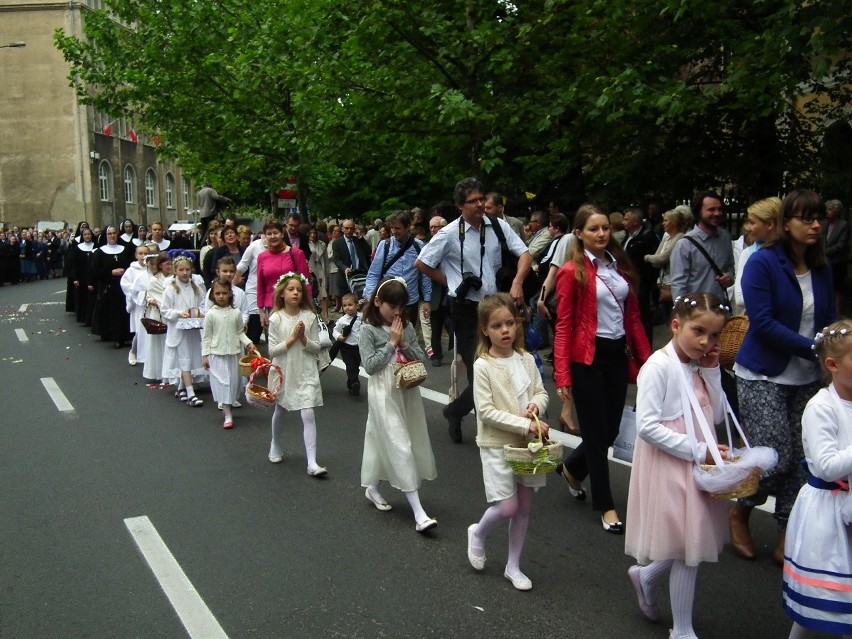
133 275
397 448
183 346
301 388
155 344
818 547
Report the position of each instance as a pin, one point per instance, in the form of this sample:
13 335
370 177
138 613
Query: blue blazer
773 302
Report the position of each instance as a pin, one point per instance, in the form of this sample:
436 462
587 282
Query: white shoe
219 405
236 404
131 358
318 471
276 456
478 563
427 524
521 582
379 503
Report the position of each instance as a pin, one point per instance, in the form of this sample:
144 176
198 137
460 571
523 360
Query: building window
129 185
150 188
187 201
170 191
105 181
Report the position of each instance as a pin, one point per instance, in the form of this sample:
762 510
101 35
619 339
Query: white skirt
142 337
154 347
224 377
499 479
186 356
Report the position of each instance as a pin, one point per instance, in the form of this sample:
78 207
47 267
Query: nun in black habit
111 321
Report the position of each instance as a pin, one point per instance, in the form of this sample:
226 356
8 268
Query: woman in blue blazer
787 290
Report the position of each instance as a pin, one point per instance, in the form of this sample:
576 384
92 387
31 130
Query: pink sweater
271 266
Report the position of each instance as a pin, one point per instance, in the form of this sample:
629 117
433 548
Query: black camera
469 281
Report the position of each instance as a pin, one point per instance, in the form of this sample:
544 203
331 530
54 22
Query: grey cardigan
376 351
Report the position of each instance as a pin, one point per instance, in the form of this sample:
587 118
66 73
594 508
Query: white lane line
59 292
58 397
190 607
22 335
566 439
23 308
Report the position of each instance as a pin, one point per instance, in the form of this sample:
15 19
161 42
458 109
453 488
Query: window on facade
105 181
187 201
129 185
170 191
150 188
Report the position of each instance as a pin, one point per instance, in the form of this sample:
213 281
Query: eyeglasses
809 218
476 200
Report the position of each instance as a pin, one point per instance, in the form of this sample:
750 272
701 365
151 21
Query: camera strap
481 246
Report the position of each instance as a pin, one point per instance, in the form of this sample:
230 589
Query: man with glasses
465 256
294 238
539 235
691 268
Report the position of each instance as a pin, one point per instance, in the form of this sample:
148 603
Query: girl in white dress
818 546
672 526
153 368
182 306
507 392
294 346
136 270
396 442
224 331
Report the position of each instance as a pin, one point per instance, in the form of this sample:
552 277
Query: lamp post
13 45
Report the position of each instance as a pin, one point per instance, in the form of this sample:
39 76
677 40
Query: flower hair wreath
289 275
821 335
694 302
180 255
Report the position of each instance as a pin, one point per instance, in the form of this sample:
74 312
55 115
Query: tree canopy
370 100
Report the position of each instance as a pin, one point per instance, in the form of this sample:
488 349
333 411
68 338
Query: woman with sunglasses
788 296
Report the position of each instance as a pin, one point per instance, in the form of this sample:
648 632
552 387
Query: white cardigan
659 399
498 421
224 331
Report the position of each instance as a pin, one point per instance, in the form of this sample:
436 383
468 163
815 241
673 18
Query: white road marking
59 292
58 397
22 335
566 439
23 308
188 604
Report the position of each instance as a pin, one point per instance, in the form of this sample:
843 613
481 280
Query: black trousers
351 356
253 329
437 318
599 392
464 316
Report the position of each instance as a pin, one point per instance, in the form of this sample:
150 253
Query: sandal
181 394
194 402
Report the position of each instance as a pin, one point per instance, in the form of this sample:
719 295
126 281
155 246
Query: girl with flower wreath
294 346
182 306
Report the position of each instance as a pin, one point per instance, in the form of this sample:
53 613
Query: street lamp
13 45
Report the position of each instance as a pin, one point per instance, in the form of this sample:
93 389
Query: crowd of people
596 285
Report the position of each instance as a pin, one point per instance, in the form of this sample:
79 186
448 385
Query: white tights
309 432
681 591
515 509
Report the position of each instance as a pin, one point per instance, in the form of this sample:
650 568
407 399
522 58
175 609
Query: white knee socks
682 593
309 433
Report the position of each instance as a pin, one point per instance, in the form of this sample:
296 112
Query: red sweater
271 266
577 322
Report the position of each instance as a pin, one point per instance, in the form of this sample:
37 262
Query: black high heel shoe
579 495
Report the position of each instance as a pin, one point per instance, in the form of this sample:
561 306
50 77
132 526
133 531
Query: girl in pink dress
671 525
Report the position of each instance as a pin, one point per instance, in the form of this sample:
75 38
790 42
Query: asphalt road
263 550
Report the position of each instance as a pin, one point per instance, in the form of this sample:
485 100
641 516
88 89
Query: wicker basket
152 326
731 338
746 488
263 396
246 363
410 374
535 458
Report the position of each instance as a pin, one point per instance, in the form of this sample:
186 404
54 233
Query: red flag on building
107 130
133 137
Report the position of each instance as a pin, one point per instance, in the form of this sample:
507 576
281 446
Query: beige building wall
51 146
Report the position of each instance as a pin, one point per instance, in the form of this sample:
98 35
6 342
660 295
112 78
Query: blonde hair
766 210
197 291
278 302
487 306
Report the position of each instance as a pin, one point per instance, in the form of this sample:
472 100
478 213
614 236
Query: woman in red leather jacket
597 317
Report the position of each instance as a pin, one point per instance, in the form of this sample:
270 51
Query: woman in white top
674 225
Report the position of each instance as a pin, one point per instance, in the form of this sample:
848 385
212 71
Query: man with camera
465 256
